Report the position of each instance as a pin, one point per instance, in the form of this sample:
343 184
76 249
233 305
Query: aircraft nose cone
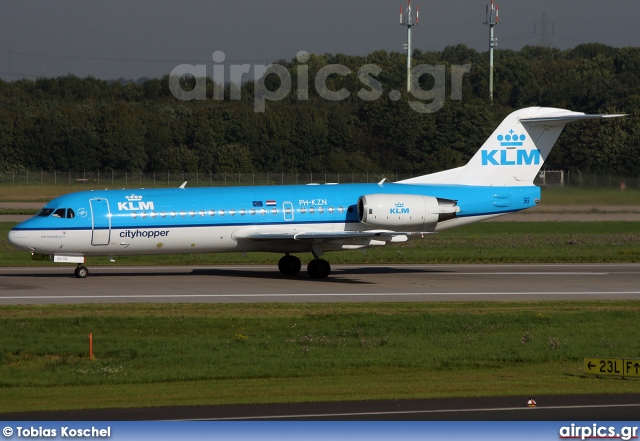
20 239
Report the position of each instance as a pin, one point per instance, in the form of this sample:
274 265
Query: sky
131 39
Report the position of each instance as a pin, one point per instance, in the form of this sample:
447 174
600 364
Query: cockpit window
45 212
57 212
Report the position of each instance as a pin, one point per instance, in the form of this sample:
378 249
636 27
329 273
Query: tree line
71 123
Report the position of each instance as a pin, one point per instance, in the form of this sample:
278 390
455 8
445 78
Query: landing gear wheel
289 265
318 269
81 272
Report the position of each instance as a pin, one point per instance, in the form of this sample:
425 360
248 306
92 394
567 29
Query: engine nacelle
408 212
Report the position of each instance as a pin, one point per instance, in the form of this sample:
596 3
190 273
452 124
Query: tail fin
514 153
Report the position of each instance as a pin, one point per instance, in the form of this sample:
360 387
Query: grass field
19 211
156 355
589 196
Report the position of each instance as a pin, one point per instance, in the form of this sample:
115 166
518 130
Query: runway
549 408
347 283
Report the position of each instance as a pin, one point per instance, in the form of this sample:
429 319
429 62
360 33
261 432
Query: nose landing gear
81 272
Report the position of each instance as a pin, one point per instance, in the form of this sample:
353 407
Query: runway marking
411 412
421 294
555 273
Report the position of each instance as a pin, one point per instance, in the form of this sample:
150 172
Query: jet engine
407 212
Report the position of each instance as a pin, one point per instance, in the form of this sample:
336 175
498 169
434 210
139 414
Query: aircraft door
287 209
100 222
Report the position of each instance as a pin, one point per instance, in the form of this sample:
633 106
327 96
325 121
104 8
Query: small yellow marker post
91 346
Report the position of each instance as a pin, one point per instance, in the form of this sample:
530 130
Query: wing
318 236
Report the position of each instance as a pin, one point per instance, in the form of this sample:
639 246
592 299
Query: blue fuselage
117 222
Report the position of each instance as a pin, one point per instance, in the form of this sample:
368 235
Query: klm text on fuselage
129 206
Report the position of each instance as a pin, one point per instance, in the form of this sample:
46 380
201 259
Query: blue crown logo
511 139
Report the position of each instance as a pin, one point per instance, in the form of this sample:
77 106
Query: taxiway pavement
549 408
347 283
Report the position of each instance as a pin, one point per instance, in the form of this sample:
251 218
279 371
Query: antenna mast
492 20
407 20
544 23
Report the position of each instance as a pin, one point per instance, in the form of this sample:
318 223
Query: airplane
292 219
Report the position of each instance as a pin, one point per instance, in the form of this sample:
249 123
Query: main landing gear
317 268
289 265
81 272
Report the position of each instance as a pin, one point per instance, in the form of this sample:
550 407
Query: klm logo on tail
511 155
511 139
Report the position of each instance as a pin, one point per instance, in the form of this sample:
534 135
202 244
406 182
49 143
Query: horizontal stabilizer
514 153
565 117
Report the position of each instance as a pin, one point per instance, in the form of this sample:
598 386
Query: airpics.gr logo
135 203
511 155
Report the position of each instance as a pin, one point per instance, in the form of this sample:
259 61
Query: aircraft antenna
407 20
544 24
492 20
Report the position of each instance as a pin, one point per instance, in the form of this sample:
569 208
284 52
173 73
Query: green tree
175 160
